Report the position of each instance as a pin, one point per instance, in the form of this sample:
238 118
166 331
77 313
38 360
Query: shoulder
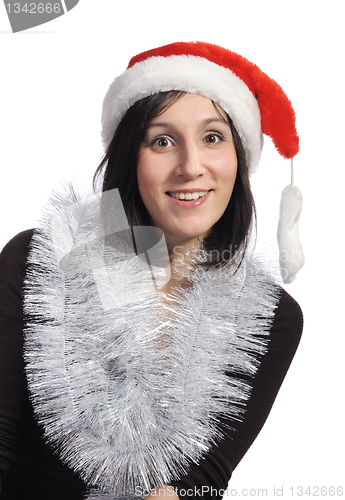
19 242
287 324
284 338
13 258
18 246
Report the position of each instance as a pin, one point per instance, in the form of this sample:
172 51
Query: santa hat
256 104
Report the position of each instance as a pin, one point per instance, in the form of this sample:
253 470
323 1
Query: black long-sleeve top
28 467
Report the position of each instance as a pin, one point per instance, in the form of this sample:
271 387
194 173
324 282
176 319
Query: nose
190 163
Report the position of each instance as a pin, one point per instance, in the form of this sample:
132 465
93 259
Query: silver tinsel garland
130 388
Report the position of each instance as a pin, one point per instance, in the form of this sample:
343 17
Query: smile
189 195
189 199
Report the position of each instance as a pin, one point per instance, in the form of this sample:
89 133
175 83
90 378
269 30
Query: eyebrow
205 122
215 119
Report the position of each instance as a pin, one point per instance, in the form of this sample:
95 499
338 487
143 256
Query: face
186 169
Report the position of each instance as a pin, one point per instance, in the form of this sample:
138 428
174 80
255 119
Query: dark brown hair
228 238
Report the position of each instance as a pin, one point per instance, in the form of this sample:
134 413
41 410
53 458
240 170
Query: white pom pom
291 255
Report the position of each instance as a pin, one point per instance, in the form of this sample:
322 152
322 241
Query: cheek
228 171
152 171
141 179
144 174
149 181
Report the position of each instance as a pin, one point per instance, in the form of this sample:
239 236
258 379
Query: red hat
255 103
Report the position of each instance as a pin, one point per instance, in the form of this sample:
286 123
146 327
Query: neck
179 248
179 265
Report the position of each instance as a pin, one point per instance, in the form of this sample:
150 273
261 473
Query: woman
150 372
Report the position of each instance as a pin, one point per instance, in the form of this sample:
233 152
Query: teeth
189 196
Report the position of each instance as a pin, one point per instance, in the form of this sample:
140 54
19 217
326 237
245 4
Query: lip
194 190
189 203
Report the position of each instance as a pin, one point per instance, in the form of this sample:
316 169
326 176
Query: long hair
228 237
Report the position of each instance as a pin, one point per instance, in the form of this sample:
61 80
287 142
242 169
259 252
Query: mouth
188 199
188 195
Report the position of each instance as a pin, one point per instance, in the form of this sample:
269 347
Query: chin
182 239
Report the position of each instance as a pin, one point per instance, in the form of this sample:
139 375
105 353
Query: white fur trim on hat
190 74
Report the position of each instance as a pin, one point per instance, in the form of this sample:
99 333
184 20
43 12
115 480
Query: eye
213 138
162 142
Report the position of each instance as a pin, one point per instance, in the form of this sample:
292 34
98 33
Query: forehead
192 106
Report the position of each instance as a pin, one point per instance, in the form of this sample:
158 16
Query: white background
53 79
